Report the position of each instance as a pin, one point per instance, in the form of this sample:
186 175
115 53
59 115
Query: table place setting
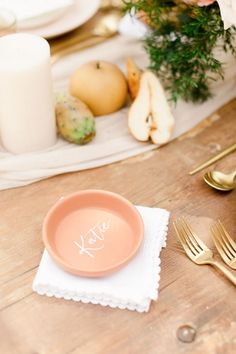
117 175
112 234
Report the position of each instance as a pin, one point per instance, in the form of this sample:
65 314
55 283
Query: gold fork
196 250
224 244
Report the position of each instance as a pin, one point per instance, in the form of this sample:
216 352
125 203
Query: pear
150 115
133 77
101 85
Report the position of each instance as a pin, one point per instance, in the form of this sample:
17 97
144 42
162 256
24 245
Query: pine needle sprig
181 45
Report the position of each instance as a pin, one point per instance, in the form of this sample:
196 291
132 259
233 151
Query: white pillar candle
27 115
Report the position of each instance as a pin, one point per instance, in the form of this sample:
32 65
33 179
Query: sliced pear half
150 115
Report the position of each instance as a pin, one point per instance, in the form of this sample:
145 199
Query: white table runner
113 141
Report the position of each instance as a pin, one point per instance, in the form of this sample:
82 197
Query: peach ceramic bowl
92 232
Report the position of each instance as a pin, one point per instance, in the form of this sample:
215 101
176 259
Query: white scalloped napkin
133 287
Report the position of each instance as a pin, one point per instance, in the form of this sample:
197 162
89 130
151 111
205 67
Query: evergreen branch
181 45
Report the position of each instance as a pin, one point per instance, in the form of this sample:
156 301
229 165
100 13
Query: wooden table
189 294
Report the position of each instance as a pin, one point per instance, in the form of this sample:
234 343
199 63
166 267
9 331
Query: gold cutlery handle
215 158
71 42
75 48
225 271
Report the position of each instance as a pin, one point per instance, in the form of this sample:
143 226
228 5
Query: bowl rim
102 271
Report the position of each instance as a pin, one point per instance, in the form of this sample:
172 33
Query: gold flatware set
200 254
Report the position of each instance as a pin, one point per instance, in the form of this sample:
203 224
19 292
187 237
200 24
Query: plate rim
36 30
104 271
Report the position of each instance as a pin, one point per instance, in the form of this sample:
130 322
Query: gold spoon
106 27
221 181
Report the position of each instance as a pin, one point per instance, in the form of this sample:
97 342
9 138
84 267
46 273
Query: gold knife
215 158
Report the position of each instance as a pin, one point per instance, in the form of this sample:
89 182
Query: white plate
74 17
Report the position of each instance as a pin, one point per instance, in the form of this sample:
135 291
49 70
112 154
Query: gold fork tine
192 245
221 242
183 240
220 246
194 235
190 233
227 237
224 244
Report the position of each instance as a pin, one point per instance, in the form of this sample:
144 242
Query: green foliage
181 44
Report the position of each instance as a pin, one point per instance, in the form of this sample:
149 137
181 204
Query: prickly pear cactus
75 122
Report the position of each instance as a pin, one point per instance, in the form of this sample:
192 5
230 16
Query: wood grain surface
189 294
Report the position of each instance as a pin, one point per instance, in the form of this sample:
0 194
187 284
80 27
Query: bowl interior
92 232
